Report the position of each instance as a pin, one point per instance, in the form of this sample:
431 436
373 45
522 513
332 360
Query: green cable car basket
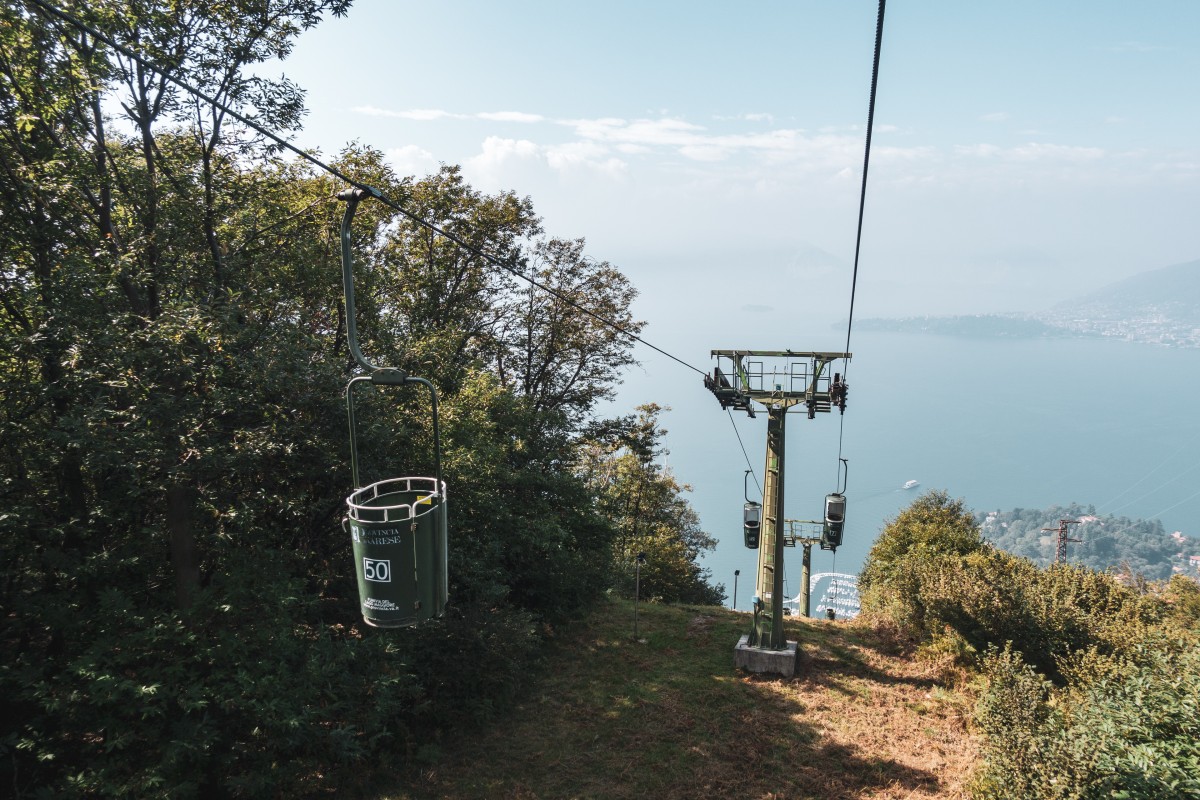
398 533
397 526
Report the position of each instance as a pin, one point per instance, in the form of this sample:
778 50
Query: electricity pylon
778 380
1060 547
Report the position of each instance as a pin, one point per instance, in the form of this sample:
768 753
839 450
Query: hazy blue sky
1024 151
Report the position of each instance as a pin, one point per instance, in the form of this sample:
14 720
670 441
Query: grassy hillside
667 715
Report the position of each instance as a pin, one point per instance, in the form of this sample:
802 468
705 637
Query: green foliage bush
1012 715
1091 687
1134 736
257 693
932 574
147 704
1065 621
1182 599
931 527
649 513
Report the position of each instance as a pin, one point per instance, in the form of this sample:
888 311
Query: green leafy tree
172 358
557 347
525 528
441 301
650 511
932 526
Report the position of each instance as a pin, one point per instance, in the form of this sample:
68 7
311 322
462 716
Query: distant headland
1158 307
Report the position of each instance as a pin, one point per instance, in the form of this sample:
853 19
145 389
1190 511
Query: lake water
1000 423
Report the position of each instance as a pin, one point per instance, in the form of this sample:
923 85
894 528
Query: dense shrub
145 704
1134 736
932 527
1012 714
930 573
1065 620
259 692
1091 686
1182 599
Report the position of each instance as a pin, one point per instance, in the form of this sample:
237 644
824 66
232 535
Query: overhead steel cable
862 203
744 453
862 196
371 190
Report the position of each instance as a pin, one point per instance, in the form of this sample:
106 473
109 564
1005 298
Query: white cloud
648 132
754 117
1032 151
420 114
747 153
902 154
704 152
510 116
589 155
1035 151
411 160
498 151
645 136
696 143
978 150
573 153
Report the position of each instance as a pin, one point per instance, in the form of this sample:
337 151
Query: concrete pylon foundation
761 661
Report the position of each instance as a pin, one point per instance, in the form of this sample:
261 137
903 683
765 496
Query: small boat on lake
911 484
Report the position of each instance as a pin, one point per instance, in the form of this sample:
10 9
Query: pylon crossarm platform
773 378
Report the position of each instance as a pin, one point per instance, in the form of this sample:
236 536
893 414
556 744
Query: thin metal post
736 572
637 589
805 572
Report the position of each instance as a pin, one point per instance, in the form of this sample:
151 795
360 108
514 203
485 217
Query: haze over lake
1000 423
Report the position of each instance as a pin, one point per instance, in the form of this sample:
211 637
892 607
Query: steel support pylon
768 622
795 378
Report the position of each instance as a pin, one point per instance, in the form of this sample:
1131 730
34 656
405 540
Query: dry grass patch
668 716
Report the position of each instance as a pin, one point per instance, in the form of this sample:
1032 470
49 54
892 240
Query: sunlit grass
667 715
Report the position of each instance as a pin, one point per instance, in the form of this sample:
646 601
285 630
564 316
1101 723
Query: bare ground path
668 716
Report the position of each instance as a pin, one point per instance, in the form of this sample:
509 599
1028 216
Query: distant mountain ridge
1177 285
1161 307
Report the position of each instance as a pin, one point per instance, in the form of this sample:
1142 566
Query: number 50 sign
377 570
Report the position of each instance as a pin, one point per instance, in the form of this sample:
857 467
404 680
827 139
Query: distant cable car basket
752 524
835 520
